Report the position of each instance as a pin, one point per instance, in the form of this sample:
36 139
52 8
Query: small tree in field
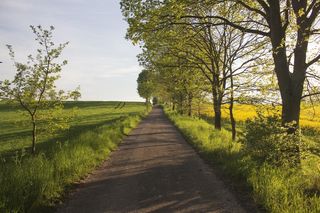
33 86
145 85
75 95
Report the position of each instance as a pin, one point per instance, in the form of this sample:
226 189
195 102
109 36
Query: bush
267 140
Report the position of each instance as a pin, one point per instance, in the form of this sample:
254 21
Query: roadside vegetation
36 182
275 184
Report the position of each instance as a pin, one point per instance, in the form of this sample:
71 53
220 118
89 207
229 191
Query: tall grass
277 189
36 183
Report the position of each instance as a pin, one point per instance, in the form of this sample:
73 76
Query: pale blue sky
101 61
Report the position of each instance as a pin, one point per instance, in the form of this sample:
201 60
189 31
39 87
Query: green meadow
15 127
37 183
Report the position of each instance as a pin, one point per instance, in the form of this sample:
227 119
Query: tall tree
289 25
204 43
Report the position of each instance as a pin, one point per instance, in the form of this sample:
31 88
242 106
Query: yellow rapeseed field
310 115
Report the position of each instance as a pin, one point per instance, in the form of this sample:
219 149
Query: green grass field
36 183
15 129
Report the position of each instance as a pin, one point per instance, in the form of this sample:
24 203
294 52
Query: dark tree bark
233 122
232 119
34 135
217 111
180 109
190 98
290 84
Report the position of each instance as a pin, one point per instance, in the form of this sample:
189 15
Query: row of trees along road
232 51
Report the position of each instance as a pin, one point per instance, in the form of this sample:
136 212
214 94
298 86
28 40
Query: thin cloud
98 54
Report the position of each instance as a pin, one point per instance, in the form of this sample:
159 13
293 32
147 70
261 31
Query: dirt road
154 170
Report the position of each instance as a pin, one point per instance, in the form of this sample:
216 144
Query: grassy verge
36 183
276 189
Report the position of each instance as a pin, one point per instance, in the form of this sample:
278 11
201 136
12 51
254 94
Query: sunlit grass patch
36 183
15 129
277 189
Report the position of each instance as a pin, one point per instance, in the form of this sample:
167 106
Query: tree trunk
233 123
34 136
190 105
232 120
180 110
147 103
291 93
217 115
216 108
291 106
290 84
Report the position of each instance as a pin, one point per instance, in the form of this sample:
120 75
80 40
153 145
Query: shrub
267 140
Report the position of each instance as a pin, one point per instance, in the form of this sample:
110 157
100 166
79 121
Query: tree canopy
255 51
